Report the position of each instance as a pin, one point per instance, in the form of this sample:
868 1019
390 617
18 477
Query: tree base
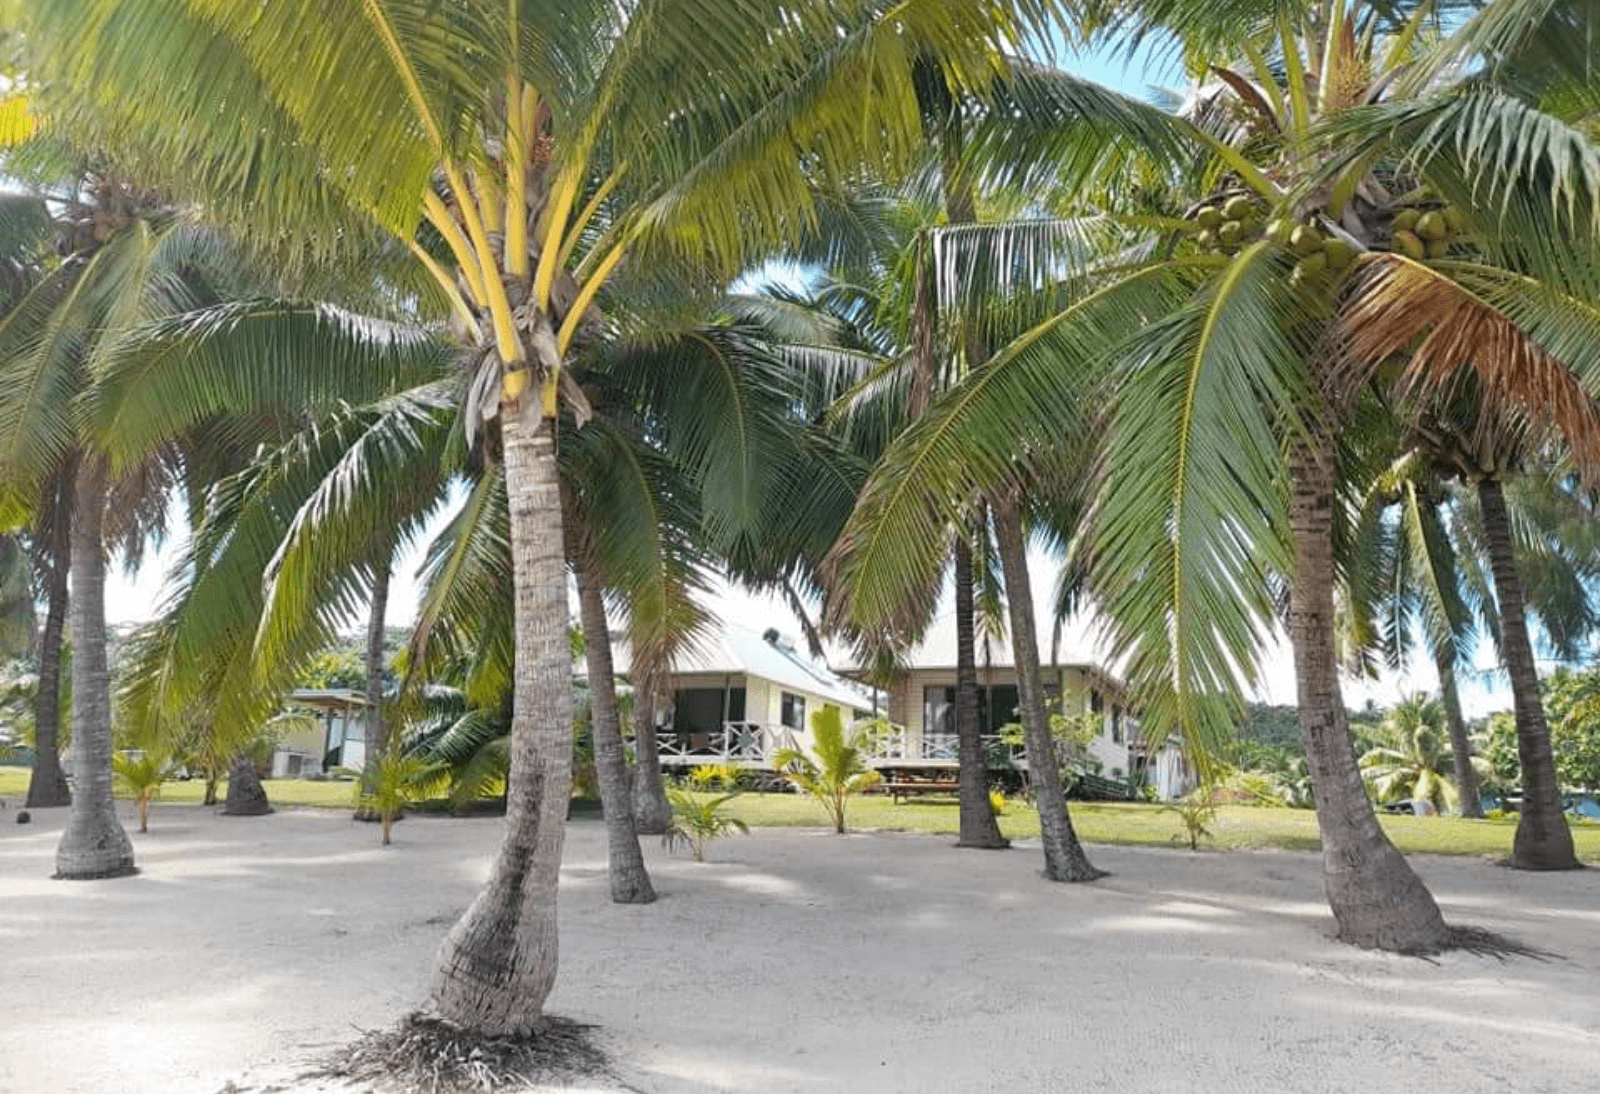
984 845
426 1053
48 792
1076 875
1541 866
125 870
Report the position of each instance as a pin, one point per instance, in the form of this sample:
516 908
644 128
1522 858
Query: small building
921 700
338 738
739 696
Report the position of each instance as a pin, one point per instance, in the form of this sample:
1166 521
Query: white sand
795 961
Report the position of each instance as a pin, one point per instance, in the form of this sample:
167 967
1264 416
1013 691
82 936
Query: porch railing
732 742
940 746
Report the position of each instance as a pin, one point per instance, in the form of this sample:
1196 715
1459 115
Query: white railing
732 742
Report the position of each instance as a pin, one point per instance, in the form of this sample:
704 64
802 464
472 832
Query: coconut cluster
1422 232
1226 226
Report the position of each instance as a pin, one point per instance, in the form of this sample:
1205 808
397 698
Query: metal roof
736 650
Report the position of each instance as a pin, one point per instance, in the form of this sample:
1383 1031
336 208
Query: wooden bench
906 788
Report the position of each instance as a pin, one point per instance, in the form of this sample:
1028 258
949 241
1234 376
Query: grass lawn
1156 826
1097 822
320 793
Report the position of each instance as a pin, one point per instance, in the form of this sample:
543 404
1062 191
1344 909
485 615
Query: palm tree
1238 347
52 544
578 136
1411 756
1439 568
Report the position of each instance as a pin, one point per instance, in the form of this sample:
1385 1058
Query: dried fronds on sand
430 1055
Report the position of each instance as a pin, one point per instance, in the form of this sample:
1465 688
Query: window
1097 702
996 707
794 711
1116 725
938 710
701 709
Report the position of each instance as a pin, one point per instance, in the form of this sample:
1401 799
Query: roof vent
778 640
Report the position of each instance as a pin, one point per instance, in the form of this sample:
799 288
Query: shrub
709 777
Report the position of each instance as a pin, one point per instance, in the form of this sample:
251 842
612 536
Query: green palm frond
163 377
390 464
1191 524
465 612
968 442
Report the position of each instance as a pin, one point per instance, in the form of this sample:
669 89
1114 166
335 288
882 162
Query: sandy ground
794 961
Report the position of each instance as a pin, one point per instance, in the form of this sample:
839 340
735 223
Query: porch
753 744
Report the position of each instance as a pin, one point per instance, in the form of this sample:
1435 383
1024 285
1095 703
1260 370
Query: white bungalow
921 698
338 739
740 696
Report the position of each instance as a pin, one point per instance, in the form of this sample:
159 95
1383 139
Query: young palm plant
837 769
141 776
698 819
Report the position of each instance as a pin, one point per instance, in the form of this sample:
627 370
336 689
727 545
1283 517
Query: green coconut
1230 233
1432 226
1207 238
1208 216
1280 230
1305 239
1237 207
1454 219
1436 248
1338 253
1409 245
1311 265
1406 220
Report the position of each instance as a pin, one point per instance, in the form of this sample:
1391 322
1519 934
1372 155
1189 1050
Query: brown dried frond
428 1055
1403 308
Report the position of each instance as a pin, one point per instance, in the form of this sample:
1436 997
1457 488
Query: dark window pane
698 709
794 711
938 710
736 704
1000 707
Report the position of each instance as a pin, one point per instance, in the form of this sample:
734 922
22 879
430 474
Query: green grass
320 793
1236 827
1141 824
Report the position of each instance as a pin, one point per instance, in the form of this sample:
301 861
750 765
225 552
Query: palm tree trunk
1377 899
94 844
1543 840
1064 856
48 786
978 826
246 796
498 963
375 739
630 882
652 813
1460 743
